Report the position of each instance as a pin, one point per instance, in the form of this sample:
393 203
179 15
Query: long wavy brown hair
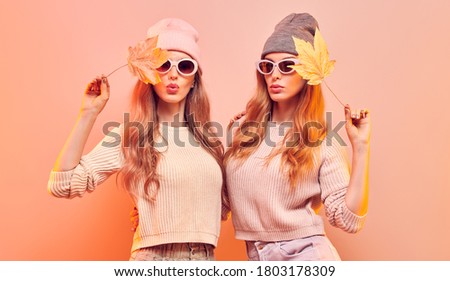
301 141
140 156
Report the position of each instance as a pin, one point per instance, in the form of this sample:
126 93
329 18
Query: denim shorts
312 248
175 252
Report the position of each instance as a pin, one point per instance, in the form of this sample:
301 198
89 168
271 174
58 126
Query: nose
276 74
173 72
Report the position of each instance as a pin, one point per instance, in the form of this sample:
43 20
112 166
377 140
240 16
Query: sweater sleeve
94 168
334 178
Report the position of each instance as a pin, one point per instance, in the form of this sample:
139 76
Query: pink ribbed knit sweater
263 207
188 203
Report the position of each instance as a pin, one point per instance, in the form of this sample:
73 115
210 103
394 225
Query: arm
345 193
95 97
358 131
226 206
73 174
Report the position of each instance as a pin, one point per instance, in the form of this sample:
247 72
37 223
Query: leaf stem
325 82
117 69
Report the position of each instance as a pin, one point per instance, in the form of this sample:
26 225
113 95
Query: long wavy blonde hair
300 144
140 156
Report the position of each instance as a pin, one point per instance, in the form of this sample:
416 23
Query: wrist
88 114
361 146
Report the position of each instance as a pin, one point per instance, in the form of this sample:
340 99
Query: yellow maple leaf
144 58
314 64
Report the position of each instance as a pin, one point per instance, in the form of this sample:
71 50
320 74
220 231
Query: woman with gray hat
282 166
170 166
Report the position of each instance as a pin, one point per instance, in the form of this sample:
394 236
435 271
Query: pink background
391 57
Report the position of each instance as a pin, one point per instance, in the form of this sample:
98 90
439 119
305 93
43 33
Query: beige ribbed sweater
264 208
188 203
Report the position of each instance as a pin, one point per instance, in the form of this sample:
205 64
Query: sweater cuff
353 221
59 183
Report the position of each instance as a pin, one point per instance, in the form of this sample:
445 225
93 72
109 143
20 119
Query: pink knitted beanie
177 35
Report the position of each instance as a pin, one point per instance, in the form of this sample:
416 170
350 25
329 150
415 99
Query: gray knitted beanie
302 26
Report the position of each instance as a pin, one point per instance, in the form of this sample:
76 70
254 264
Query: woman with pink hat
170 166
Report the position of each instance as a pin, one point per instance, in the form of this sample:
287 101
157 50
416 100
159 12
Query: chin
278 97
283 97
172 98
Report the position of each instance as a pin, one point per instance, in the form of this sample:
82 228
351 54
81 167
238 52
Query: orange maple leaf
144 58
314 64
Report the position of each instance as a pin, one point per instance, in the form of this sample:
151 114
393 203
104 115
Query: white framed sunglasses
186 66
266 67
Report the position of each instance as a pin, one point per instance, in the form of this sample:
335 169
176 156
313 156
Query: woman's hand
235 118
95 96
358 127
134 218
